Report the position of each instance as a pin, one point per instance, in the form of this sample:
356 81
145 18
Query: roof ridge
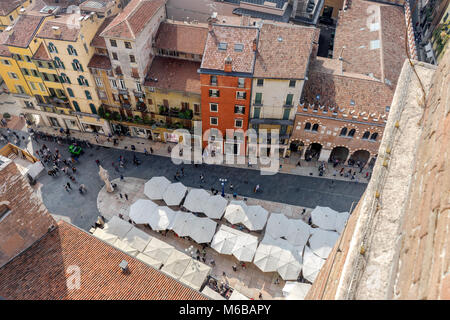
131 29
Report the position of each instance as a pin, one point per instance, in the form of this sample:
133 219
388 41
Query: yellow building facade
10 10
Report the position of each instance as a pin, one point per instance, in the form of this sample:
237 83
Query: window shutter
86 82
79 81
81 67
74 66
218 93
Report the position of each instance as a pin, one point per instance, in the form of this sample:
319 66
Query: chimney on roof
124 266
228 64
255 45
56 31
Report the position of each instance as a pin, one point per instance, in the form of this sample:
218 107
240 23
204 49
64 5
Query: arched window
366 135
308 126
93 109
71 50
70 91
52 48
77 65
343 132
82 81
315 127
88 95
65 78
59 63
374 136
76 106
351 133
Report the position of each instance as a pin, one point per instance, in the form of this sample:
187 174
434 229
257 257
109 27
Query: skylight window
238 47
223 46
374 26
374 44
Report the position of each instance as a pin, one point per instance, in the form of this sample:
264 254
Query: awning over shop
137 238
158 250
105 236
117 227
148 260
195 274
176 264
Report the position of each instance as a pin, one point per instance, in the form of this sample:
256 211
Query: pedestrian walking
202 178
68 186
120 196
121 177
182 172
98 162
74 169
126 196
260 295
256 188
234 268
151 150
341 173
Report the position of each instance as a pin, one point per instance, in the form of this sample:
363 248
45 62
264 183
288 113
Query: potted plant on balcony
116 116
101 112
163 110
7 116
137 119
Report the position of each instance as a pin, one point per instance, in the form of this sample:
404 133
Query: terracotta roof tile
69 28
174 74
98 41
338 89
3 48
40 272
243 61
358 31
99 61
132 20
23 30
6 6
283 51
182 38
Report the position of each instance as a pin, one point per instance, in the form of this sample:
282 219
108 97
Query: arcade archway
361 156
339 153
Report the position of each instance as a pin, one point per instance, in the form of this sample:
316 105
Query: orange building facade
225 105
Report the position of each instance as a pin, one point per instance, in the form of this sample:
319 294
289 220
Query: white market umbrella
105 236
176 264
174 194
267 256
196 199
277 225
203 230
183 223
294 290
117 226
158 250
195 274
236 212
256 218
322 242
137 238
224 242
290 263
149 260
324 218
125 247
311 265
214 206
245 248
155 187
341 221
298 232
142 210
162 218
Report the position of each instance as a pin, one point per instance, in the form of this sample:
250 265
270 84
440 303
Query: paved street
199 10
82 210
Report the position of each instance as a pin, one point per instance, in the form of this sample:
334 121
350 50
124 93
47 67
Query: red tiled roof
132 20
41 272
338 89
174 74
283 51
23 30
3 48
69 28
214 59
182 38
41 53
354 32
97 41
99 61
6 6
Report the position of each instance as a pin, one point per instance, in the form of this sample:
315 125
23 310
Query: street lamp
222 182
